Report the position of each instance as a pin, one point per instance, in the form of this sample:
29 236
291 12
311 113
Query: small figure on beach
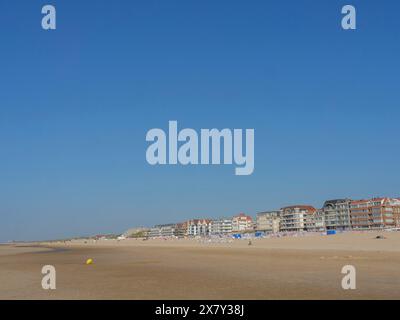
249 243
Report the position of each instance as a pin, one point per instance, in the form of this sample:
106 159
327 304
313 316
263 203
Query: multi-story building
376 213
242 222
221 226
198 227
268 221
296 218
396 214
337 214
162 230
181 229
154 232
315 221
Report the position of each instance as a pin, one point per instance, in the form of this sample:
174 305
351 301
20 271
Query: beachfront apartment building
396 215
268 221
315 221
181 229
337 214
376 213
242 222
296 218
221 226
162 230
154 232
198 227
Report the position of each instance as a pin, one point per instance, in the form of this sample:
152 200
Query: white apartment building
296 218
337 214
221 226
162 230
242 222
315 221
198 227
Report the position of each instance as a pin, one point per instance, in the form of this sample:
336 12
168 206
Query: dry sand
285 268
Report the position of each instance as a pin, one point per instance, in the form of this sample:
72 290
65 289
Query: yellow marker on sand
89 261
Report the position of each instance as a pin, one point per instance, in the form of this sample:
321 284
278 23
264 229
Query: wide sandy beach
280 268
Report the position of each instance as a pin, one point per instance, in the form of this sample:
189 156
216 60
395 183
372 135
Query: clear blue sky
76 103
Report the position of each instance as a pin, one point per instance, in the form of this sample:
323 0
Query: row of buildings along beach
338 214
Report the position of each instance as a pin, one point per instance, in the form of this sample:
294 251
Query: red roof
305 207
